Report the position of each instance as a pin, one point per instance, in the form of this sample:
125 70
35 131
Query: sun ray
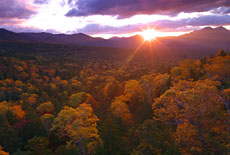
135 52
132 55
151 50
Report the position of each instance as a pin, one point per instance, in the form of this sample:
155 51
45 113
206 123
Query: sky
109 18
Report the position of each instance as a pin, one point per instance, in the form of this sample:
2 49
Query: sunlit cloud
51 16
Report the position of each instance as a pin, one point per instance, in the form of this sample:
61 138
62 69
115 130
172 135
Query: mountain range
206 40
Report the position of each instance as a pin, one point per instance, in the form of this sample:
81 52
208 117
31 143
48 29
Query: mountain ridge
206 38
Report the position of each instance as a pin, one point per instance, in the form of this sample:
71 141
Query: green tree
154 139
111 133
39 145
47 120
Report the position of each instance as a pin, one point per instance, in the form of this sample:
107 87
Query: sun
148 34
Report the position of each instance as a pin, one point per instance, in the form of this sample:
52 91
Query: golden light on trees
80 125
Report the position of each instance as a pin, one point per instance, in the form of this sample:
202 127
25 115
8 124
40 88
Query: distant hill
202 42
79 38
73 39
207 37
198 43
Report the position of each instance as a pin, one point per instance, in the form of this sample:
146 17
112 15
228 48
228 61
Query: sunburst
149 34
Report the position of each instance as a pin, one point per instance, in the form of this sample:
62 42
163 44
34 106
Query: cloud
208 20
127 8
41 1
19 29
105 29
15 9
7 21
221 10
188 24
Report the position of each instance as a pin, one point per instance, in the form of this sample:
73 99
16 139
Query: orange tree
194 109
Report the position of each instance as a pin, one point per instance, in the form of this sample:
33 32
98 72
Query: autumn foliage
89 103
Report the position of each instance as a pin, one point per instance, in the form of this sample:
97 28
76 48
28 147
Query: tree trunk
226 102
82 148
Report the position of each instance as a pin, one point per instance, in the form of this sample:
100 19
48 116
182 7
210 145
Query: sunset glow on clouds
105 18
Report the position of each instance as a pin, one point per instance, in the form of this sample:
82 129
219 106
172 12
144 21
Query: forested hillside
106 102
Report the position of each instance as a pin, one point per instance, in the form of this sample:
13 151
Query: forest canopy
97 103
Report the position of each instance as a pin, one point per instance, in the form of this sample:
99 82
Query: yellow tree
80 125
160 84
3 152
146 83
197 103
188 69
121 110
46 107
187 138
112 88
133 92
32 99
218 68
75 85
154 85
132 89
82 97
17 111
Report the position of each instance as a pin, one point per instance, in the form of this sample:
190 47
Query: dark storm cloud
14 9
126 8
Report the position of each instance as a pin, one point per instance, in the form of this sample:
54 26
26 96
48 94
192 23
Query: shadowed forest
68 100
